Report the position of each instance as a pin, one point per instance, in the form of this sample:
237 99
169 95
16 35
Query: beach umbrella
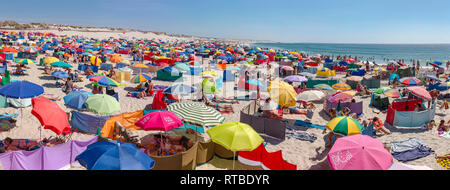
60 74
341 86
182 66
208 73
437 63
197 114
105 81
21 90
355 78
116 58
95 61
350 92
420 92
159 121
25 61
323 87
9 50
379 69
235 136
282 93
352 69
50 60
410 81
295 78
381 90
102 104
61 64
140 66
77 99
393 77
287 68
393 93
50 115
359 152
141 78
340 97
310 95
114 155
345 126
180 89
125 69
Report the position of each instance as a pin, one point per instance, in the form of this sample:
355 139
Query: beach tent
45 158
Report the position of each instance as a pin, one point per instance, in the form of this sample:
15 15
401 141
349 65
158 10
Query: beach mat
307 124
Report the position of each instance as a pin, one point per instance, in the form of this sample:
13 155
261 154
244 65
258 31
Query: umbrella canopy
50 115
9 50
77 99
295 78
394 76
140 66
61 64
235 136
116 58
379 69
340 97
345 126
180 89
410 81
341 86
50 60
381 90
159 121
310 95
95 61
102 104
105 81
359 152
393 93
114 155
197 113
125 69
182 66
420 92
254 82
21 89
25 61
323 87
60 74
282 93
141 78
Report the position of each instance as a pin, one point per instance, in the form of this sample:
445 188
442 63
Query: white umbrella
310 95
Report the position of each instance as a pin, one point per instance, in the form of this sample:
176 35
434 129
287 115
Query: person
434 95
68 86
110 90
94 89
444 105
149 87
442 127
19 144
332 112
268 108
218 106
379 126
88 72
419 107
345 111
359 87
430 125
100 90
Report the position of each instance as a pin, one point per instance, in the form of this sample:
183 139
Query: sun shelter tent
401 114
169 74
356 107
379 102
45 158
312 83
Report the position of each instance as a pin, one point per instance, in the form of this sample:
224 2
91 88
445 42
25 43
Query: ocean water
380 53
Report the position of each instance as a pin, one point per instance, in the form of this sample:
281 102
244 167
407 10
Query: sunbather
332 113
443 127
379 126
88 72
430 125
220 107
19 144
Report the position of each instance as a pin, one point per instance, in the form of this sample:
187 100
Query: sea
380 53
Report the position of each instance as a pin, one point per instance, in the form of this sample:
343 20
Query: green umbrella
102 104
60 53
61 64
381 90
197 114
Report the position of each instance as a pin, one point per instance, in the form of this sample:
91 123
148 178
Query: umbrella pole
234 158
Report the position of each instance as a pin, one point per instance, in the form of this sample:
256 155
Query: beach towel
413 154
410 144
301 135
444 162
445 135
307 124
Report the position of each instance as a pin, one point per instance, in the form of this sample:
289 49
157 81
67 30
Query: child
430 125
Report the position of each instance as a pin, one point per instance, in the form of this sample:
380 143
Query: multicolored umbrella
25 61
381 90
159 121
323 87
114 155
105 81
102 104
341 86
359 152
345 126
125 69
50 115
410 81
141 78
340 97
95 61
197 114
393 93
379 69
420 92
282 93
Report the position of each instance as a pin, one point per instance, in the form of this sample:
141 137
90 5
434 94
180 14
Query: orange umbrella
50 115
9 50
116 58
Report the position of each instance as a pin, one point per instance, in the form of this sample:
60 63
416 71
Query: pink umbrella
340 96
359 152
159 121
419 91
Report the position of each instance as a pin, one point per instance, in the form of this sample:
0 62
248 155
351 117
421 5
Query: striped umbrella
141 78
345 126
323 87
197 114
105 81
25 61
410 81
341 86
393 93
125 69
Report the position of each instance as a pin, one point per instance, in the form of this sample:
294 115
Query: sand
306 155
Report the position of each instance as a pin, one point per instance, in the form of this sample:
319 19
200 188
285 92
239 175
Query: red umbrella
419 91
9 50
50 115
401 64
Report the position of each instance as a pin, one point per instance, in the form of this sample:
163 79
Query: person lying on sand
378 125
220 107
442 157
443 127
19 144
139 95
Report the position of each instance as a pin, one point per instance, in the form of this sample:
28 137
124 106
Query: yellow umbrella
95 61
50 60
379 69
282 93
140 66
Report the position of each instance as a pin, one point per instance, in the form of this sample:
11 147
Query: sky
316 21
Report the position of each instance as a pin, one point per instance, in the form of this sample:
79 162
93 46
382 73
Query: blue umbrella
77 99
114 155
437 63
254 82
393 76
21 89
222 57
180 89
60 74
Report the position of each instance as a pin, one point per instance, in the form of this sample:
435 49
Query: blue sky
333 21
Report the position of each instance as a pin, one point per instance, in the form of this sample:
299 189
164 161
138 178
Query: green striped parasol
197 114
